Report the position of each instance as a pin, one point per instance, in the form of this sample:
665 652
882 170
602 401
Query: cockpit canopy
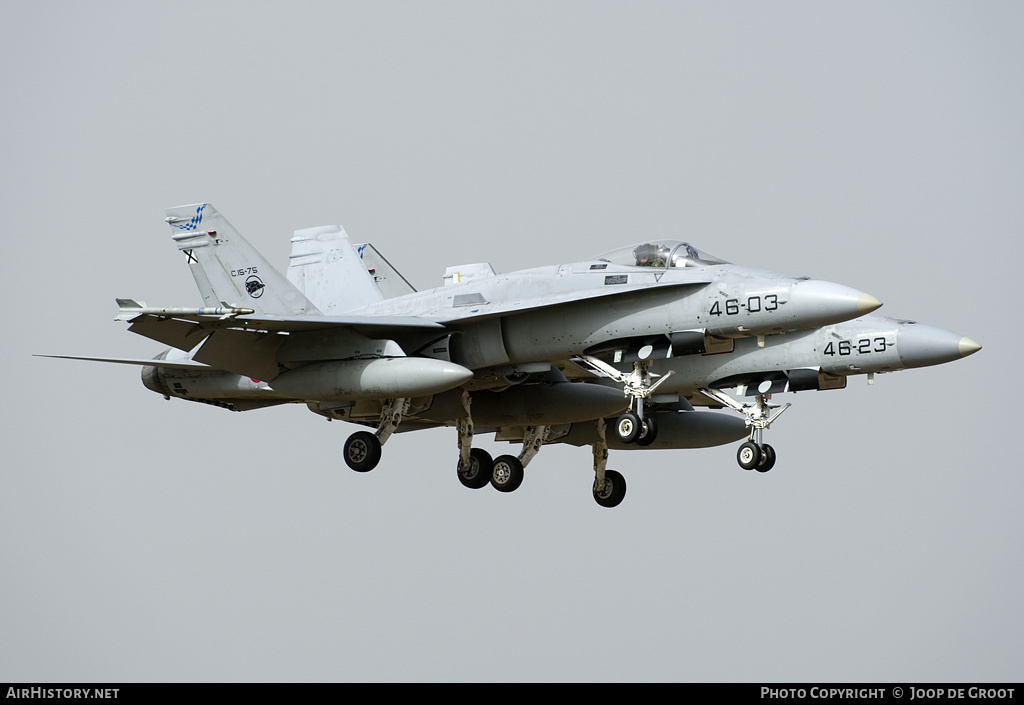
661 254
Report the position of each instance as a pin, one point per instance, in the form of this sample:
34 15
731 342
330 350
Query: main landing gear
505 473
609 485
363 449
476 469
754 454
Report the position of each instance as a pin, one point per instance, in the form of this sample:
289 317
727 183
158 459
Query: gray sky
875 144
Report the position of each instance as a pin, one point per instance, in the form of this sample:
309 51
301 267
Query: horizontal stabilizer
249 345
177 364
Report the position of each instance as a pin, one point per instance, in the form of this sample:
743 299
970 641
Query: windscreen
660 253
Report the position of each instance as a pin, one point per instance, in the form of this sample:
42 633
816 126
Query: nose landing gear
754 454
638 385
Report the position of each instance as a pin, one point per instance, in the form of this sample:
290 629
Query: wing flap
243 352
180 334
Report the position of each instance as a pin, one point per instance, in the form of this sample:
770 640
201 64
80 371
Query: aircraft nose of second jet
920 345
823 302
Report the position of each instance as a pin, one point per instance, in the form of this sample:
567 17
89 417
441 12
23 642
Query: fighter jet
614 351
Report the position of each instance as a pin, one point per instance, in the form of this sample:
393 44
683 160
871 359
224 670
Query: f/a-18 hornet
613 352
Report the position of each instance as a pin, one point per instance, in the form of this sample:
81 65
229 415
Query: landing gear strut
754 454
609 485
508 469
475 464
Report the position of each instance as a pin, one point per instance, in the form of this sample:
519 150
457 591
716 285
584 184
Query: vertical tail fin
227 269
328 270
390 283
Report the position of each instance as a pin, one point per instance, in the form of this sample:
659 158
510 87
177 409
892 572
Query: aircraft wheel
362 451
648 433
507 473
478 473
628 427
749 455
767 459
613 490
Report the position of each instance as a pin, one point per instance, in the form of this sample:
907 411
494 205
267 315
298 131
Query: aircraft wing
369 325
476 305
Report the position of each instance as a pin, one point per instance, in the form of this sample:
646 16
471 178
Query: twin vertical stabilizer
327 274
325 267
227 269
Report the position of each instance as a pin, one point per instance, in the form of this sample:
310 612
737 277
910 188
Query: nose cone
866 303
814 302
920 345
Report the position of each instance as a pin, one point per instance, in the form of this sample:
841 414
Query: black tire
506 473
478 474
628 427
748 456
362 451
613 490
767 459
649 432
